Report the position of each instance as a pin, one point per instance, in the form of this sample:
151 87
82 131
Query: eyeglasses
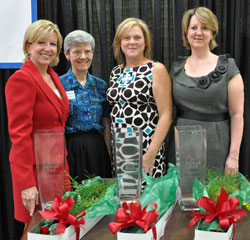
78 53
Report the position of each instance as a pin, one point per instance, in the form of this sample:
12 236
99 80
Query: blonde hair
125 26
39 30
206 17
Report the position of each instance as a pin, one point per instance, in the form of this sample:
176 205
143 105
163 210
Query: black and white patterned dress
133 105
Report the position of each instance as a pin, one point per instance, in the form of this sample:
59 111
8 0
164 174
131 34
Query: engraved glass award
191 151
50 156
128 162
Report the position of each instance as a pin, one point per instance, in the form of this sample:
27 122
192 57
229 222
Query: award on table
191 150
128 162
50 157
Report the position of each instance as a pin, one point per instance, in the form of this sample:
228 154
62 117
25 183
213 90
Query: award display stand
191 150
50 157
128 162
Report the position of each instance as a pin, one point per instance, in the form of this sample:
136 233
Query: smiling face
80 56
198 35
133 43
43 52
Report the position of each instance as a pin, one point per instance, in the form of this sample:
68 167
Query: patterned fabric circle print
126 78
133 105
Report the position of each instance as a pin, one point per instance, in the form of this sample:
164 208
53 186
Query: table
176 229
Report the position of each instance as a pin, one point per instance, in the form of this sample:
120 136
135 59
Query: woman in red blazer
35 100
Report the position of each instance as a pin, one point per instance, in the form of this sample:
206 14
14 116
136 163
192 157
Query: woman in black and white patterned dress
140 93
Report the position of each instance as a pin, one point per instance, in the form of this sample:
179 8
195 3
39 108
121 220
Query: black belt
204 117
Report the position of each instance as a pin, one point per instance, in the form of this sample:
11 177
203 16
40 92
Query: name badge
71 95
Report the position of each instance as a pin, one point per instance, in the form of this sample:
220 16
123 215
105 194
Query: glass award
128 162
50 157
191 151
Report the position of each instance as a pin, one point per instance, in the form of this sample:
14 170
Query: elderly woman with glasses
88 126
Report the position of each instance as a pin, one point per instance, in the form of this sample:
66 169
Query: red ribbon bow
137 216
60 211
225 210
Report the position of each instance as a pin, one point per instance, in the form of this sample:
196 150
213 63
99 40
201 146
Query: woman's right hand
148 161
30 199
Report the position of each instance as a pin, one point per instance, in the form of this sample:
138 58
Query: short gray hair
78 37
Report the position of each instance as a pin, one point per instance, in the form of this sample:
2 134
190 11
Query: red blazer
31 105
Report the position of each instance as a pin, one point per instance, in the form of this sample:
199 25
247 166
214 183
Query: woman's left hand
148 163
30 199
232 165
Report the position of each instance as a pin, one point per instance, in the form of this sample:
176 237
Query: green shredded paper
236 185
161 190
96 196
